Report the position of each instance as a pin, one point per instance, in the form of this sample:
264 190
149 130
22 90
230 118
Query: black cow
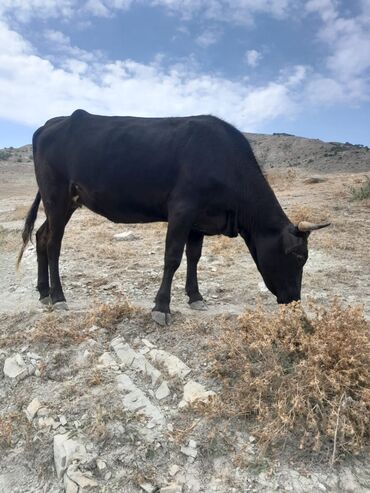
197 173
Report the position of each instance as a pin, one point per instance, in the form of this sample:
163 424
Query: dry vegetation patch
300 378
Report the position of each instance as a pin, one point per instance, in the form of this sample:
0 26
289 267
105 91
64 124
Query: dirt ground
72 382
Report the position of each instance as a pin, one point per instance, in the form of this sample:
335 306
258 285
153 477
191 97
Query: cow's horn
305 226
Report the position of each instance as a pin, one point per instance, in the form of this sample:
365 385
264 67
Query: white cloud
25 10
33 89
208 38
57 37
235 11
348 43
253 57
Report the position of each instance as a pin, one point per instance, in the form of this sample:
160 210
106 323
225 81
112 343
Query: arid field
243 397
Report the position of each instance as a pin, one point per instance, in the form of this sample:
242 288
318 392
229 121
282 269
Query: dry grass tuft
14 426
55 330
108 316
304 379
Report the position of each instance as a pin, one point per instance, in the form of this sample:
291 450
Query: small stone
15 368
195 392
148 344
32 408
46 422
163 391
100 464
192 444
189 451
147 487
173 470
125 236
174 366
106 359
108 475
62 420
252 439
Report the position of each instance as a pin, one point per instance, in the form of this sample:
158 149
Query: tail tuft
28 226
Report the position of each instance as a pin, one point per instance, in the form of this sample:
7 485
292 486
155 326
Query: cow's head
280 259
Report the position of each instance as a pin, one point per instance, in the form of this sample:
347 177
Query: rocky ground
99 398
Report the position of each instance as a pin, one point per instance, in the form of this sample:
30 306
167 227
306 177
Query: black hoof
199 305
161 318
60 306
45 301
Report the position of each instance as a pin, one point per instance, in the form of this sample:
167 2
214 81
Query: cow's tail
28 226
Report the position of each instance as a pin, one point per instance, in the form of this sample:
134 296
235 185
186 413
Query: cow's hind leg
58 217
179 225
193 253
42 263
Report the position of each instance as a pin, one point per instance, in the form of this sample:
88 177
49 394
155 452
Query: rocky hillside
276 151
283 150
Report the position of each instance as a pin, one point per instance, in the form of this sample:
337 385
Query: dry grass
108 316
14 426
307 380
63 331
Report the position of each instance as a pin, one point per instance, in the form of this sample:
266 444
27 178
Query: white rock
74 477
65 451
15 367
174 366
147 487
47 422
62 420
171 488
131 359
148 344
125 236
100 464
174 469
163 391
192 444
189 451
106 359
195 392
135 400
32 408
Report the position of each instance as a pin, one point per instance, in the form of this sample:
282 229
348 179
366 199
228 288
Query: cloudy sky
296 66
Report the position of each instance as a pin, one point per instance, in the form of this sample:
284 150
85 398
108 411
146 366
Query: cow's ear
293 240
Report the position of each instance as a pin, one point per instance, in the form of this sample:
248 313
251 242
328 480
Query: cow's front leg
193 253
179 225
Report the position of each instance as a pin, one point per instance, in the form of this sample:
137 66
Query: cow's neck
261 213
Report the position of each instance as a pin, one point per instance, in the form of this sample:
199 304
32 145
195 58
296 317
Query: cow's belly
119 210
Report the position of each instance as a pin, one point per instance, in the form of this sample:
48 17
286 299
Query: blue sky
301 66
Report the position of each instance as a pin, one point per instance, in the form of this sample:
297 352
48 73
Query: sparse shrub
297 378
362 192
5 154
